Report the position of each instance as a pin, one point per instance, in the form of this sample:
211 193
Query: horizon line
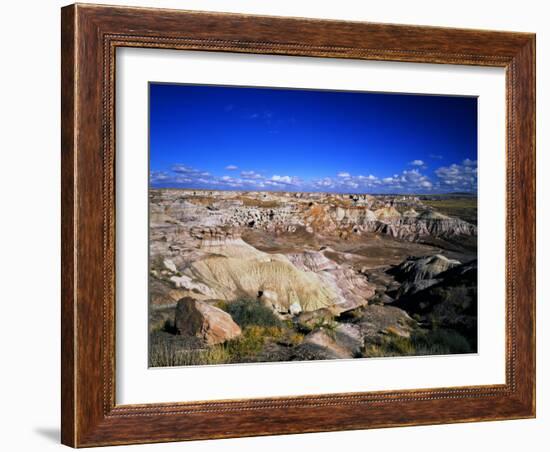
467 193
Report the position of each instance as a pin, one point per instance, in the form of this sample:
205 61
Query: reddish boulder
195 318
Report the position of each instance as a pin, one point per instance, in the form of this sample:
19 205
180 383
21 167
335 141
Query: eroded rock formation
334 267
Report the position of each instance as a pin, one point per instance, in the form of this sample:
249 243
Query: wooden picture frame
90 36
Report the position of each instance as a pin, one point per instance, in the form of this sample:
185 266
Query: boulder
295 308
380 320
349 337
321 344
196 318
309 319
340 341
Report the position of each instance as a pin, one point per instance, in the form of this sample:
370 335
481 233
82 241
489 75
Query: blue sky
241 138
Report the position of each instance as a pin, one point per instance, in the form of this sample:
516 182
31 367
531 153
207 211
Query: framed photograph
281 225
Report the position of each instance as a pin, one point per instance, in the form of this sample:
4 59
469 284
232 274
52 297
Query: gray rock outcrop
415 269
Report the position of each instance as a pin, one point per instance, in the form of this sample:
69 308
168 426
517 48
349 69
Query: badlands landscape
239 277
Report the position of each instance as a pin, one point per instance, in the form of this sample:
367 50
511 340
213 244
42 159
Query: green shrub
248 345
251 312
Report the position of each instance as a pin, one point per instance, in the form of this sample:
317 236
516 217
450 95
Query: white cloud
207 181
185 175
426 184
458 177
287 180
183 169
417 163
282 179
408 180
326 182
251 175
231 167
188 171
162 177
158 176
272 183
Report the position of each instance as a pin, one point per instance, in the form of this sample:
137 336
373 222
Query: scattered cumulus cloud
455 177
158 176
417 163
288 180
407 181
370 177
183 169
185 175
284 179
251 175
458 177
163 177
326 182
